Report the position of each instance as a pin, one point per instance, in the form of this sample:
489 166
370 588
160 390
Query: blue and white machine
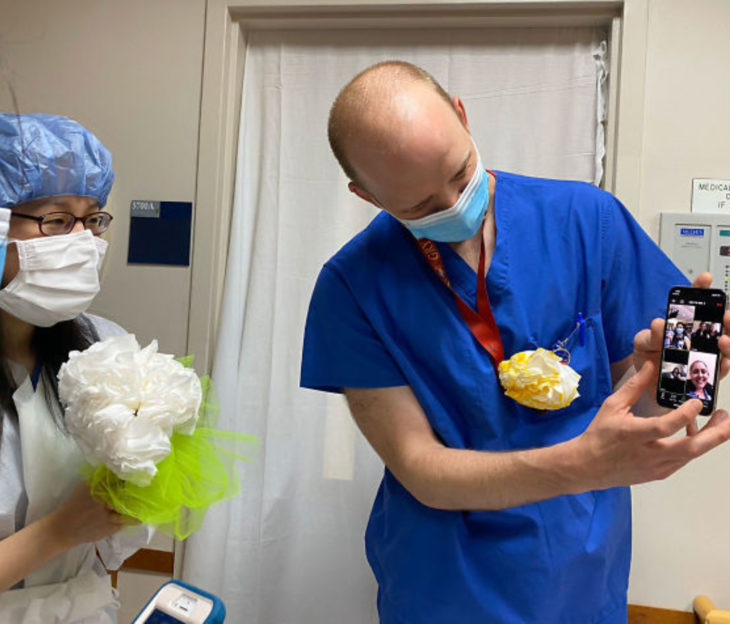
177 602
4 225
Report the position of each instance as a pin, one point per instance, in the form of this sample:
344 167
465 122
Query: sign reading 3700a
145 208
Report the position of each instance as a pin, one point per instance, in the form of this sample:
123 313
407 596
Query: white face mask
58 278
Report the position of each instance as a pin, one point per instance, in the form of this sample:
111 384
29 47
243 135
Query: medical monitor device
177 602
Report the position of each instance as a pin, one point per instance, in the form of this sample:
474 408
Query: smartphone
690 356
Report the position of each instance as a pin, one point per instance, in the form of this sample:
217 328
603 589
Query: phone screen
690 355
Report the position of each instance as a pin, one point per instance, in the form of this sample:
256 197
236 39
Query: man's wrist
556 470
572 466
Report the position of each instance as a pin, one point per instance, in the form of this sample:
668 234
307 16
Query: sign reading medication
710 195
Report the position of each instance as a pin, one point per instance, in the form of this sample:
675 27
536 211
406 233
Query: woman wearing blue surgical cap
55 177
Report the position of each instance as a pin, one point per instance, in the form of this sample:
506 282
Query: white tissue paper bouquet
123 404
143 421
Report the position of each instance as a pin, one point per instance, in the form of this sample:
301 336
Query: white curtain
290 548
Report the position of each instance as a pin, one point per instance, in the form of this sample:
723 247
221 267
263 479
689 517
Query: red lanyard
481 322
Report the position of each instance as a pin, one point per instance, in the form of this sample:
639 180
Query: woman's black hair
51 346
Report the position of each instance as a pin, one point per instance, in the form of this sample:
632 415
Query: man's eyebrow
457 175
418 205
462 169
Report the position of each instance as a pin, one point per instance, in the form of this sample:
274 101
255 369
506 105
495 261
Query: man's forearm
453 479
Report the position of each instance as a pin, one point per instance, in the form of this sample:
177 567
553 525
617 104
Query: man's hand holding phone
619 449
648 345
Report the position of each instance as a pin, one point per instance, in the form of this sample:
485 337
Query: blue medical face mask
680 330
462 220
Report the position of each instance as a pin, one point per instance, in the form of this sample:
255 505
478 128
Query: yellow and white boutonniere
539 379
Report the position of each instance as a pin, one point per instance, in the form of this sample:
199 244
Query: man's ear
460 110
363 194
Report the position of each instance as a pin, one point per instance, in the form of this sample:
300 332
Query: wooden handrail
639 614
147 560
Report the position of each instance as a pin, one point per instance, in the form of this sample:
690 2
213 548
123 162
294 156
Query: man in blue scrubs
490 511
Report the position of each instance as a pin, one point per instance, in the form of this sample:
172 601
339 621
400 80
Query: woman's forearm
27 550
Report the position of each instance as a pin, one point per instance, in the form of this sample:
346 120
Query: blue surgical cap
47 156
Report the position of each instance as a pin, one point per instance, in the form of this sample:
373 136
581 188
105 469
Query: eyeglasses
55 223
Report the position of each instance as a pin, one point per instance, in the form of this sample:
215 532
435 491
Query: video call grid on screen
700 323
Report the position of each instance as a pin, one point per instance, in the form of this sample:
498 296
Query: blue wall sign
159 232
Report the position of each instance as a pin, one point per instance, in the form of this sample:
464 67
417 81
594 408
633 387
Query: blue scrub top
380 317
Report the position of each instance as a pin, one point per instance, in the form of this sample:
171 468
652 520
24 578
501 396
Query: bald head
380 111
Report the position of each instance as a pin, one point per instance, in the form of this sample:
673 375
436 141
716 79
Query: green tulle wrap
199 472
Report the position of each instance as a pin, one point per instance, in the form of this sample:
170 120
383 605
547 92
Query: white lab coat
72 588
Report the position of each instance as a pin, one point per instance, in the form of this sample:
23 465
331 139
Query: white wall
130 71
681 537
